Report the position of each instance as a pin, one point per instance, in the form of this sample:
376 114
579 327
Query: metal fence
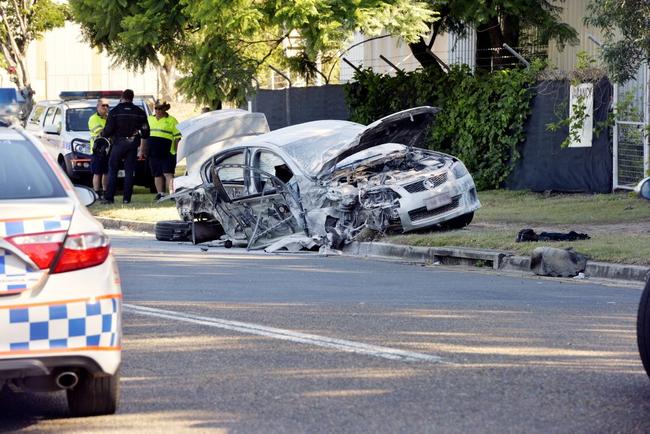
630 130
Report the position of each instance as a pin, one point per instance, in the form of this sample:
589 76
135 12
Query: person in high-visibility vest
161 147
98 162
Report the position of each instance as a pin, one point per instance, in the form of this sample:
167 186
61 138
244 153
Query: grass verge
497 222
617 223
142 208
620 248
524 207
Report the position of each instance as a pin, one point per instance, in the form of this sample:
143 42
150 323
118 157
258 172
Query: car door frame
282 202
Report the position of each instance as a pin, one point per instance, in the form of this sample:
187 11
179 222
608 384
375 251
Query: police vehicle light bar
90 94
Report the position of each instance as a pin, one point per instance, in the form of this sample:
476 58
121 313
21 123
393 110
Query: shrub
482 118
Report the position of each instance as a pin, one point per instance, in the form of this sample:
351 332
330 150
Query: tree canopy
220 45
21 22
626 27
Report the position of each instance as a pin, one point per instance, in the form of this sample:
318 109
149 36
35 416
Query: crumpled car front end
395 188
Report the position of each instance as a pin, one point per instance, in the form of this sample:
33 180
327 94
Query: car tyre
173 230
94 396
643 328
458 222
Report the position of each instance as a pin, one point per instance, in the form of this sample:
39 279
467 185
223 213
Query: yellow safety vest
96 124
165 127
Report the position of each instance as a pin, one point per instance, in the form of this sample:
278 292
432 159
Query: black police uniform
126 125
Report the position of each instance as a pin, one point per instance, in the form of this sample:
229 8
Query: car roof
313 133
9 133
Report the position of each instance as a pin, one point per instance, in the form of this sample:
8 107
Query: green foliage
220 45
627 34
482 117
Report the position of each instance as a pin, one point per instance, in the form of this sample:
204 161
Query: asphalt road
229 341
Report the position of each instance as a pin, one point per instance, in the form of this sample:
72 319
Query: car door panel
256 205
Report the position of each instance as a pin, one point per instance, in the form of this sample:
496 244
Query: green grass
142 208
500 206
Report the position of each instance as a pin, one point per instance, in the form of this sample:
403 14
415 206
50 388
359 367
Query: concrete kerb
443 255
492 258
130 225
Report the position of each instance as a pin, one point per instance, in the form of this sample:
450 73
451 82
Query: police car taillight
83 251
41 248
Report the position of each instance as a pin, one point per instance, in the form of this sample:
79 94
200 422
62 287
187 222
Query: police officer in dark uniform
126 125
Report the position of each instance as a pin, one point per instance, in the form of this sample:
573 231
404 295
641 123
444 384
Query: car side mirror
52 129
85 194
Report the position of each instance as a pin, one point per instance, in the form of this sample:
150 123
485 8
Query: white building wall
62 61
397 51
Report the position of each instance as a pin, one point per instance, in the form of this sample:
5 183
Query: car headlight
82 148
459 170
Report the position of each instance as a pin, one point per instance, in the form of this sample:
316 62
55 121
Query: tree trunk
511 29
421 53
165 76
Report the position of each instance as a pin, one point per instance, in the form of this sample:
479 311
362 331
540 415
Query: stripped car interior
322 183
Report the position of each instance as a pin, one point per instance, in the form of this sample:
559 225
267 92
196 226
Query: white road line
287 335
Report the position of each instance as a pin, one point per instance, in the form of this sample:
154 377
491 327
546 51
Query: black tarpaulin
544 164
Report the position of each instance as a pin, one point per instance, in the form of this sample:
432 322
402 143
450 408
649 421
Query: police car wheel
94 395
173 230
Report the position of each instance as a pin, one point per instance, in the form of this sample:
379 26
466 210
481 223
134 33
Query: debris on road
550 261
525 235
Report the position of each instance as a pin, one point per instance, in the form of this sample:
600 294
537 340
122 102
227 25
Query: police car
62 126
60 293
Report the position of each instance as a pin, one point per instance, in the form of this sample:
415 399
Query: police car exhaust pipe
67 380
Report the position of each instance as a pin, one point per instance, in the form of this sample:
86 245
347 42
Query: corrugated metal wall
573 14
462 49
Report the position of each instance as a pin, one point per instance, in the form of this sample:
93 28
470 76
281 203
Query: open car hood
207 133
406 127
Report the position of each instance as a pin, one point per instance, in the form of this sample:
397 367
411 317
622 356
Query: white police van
62 126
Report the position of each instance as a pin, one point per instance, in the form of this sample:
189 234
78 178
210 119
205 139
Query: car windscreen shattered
324 183
313 147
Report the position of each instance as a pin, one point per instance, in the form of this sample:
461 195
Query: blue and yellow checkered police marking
35 225
15 274
90 324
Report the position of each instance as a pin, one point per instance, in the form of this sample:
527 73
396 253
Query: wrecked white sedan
326 181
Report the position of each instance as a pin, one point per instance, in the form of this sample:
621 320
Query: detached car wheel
458 222
173 230
643 328
94 396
